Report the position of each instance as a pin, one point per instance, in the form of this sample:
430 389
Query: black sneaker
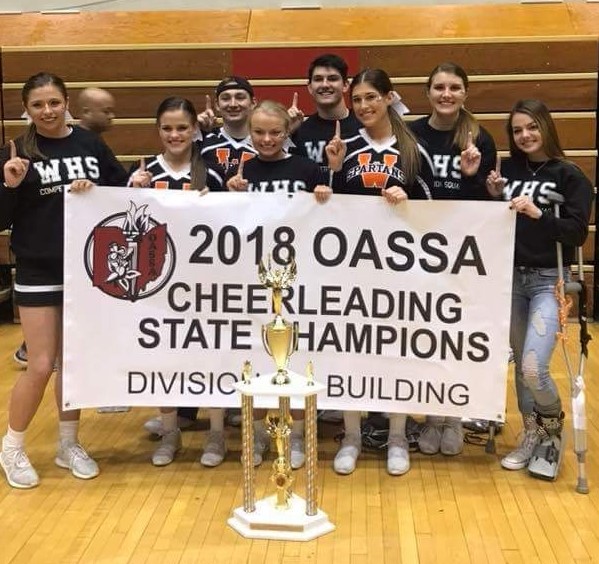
20 355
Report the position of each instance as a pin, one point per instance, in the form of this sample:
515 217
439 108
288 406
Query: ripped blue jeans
533 329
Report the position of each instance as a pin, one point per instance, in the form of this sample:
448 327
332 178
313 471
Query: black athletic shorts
39 282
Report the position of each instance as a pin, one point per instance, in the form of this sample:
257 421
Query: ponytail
465 124
197 169
407 145
30 148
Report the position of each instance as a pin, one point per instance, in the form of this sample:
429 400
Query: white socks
169 421
351 421
13 439
67 432
397 424
217 420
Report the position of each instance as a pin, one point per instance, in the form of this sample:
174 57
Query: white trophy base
268 522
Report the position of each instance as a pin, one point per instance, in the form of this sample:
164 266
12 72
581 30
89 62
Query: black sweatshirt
536 238
289 175
449 184
35 208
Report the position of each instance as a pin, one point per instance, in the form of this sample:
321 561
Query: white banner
401 309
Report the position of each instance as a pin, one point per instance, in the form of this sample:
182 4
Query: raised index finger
13 149
469 143
295 100
337 129
498 165
208 102
142 165
240 168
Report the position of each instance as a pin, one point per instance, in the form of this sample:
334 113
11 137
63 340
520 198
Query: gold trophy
285 515
279 336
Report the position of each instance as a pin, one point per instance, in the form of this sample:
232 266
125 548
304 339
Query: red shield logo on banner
127 264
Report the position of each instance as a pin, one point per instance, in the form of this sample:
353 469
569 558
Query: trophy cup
285 515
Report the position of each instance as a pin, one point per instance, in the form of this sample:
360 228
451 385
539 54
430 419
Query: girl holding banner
463 154
34 172
536 169
274 170
383 159
180 167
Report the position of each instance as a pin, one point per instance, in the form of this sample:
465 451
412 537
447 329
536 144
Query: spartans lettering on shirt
447 171
52 172
536 190
375 174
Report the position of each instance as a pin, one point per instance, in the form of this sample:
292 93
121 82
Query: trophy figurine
279 428
279 336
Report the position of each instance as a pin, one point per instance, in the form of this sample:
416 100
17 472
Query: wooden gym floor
459 510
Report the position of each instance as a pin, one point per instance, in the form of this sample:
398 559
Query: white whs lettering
286 186
536 190
67 169
442 163
48 171
93 169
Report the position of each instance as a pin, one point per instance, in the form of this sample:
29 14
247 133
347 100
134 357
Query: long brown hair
466 122
30 147
406 142
542 117
197 166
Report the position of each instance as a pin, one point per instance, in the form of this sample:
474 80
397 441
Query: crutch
579 421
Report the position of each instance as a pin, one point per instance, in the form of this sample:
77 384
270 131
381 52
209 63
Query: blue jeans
533 329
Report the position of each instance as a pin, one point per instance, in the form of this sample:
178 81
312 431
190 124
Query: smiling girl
462 151
384 159
463 154
273 170
35 170
181 167
536 167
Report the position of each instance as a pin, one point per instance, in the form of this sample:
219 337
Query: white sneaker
19 471
398 455
452 441
74 458
347 456
520 457
214 449
154 425
430 438
298 457
169 446
20 356
261 446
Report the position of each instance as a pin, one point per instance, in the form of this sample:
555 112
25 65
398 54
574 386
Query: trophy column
247 454
311 445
